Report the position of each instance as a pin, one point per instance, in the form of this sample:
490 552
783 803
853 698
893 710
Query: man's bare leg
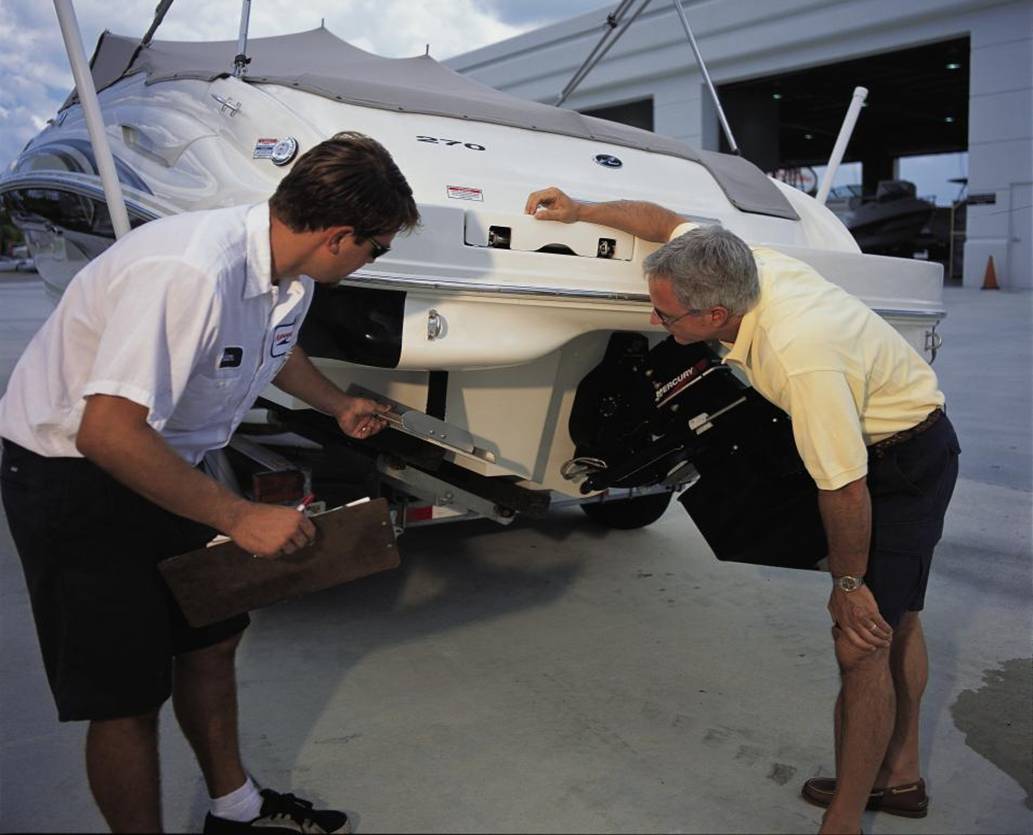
909 666
867 713
837 720
122 768
205 700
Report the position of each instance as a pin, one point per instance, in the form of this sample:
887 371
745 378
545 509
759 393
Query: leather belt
879 449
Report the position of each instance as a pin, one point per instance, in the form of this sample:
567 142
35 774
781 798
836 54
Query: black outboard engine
676 415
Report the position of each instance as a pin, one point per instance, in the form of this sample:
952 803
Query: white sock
243 804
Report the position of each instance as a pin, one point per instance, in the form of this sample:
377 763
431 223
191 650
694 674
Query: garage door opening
908 153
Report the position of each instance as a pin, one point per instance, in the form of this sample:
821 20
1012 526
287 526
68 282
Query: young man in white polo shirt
151 359
868 422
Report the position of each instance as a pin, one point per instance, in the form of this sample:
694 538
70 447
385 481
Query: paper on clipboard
212 584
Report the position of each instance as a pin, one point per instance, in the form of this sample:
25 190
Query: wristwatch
848 583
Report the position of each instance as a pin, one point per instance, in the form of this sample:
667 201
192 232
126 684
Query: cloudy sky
35 78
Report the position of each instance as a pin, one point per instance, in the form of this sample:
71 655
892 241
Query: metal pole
612 20
159 16
847 129
241 60
950 245
706 77
596 56
87 93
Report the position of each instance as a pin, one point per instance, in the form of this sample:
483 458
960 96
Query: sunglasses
377 249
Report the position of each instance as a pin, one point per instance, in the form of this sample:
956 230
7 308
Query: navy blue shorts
107 624
911 485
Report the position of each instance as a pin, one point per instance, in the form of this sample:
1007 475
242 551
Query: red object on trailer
420 513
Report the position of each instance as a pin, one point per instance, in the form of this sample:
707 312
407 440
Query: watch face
848 583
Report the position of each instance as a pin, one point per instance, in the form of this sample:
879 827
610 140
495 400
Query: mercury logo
669 390
608 161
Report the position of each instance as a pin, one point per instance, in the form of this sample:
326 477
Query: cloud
35 77
538 12
404 28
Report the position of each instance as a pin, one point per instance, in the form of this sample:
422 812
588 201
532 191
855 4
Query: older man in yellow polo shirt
868 422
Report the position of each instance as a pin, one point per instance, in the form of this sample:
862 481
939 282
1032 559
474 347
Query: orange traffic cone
990 276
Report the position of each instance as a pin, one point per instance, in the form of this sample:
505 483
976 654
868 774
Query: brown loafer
908 801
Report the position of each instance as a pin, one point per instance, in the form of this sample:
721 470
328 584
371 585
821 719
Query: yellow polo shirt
842 373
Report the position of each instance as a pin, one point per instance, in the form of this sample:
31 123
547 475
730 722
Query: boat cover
319 62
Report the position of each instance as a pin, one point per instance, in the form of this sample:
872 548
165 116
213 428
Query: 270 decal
433 140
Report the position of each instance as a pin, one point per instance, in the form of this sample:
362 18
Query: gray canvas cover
318 62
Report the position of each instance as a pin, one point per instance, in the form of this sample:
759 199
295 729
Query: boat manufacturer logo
608 161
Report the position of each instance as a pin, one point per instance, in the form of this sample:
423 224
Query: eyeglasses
667 320
377 249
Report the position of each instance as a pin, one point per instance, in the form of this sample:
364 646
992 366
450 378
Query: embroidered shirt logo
283 339
231 357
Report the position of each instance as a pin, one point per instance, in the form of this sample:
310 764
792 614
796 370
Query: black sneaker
282 813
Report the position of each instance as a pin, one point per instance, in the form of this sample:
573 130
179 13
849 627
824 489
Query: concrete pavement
554 677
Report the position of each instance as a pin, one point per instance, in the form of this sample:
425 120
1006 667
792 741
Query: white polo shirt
842 373
180 316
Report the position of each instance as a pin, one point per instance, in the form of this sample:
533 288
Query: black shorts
89 546
911 485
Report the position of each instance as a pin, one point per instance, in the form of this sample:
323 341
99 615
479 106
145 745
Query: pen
305 502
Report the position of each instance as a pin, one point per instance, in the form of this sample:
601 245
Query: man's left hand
857 614
360 417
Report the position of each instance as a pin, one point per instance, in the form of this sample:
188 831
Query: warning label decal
465 193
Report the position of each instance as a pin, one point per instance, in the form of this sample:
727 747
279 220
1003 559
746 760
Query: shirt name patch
283 339
231 357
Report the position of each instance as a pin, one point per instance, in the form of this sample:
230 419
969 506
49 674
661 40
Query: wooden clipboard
212 584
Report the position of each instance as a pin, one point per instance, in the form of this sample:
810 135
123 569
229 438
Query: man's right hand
268 530
552 204
857 615
647 221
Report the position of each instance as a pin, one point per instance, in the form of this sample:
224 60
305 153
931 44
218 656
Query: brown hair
347 180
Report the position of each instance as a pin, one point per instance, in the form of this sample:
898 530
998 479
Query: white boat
485 318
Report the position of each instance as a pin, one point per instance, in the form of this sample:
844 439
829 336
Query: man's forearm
300 378
847 516
647 221
115 435
358 417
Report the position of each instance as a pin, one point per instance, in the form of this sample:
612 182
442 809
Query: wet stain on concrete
749 754
337 740
997 721
682 721
716 736
781 773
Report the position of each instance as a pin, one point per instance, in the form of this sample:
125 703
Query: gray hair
708 266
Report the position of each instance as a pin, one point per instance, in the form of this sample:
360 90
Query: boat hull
495 317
